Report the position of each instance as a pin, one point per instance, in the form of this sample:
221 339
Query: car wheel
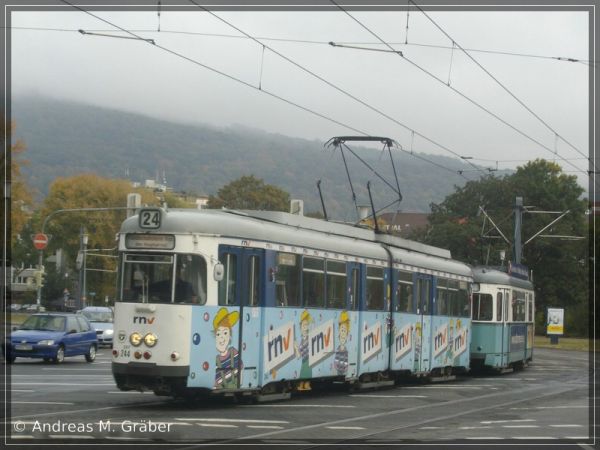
90 356
60 355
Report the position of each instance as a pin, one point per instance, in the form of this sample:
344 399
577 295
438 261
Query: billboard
555 321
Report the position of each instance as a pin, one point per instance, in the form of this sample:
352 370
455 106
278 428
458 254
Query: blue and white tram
503 320
251 302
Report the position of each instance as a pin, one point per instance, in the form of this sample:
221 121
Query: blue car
52 337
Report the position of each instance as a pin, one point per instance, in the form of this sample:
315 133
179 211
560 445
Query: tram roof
490 275
301 231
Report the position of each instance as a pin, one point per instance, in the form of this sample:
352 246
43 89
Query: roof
484 274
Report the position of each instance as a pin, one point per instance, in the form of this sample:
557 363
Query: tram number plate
150 218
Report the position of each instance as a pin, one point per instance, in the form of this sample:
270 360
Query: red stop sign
40 241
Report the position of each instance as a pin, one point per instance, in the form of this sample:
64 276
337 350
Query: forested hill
65 139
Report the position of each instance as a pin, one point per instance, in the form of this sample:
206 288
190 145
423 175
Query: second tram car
257 302
503 319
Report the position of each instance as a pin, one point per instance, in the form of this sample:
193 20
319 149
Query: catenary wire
453 89
498 82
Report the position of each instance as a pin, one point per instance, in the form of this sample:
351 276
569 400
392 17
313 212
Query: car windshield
44 323
98 316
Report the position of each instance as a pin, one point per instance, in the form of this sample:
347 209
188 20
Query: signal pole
518 253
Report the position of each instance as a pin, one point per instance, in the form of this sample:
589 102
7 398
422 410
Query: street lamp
84 240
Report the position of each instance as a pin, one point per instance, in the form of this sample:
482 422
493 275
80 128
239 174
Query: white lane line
130 392
454 386
520 426
567 425
22 390
267 427
195 419
216 425
533 437
63 384
552 407
473 428
297 406
22 436
71 436
431 428
488 422
346 428
577 437
388 396
484 437
42 403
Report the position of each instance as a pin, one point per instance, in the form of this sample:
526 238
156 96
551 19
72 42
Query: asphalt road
77 402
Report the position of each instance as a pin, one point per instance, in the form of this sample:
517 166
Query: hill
64 139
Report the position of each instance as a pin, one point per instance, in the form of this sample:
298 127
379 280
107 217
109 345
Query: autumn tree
249 192
88 191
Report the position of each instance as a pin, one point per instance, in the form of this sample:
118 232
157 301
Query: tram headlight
150 339
136 339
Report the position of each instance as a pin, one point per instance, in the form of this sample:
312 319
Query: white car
101 319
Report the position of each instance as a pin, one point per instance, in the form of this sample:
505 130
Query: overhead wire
308 41
498 82
450 87
330 84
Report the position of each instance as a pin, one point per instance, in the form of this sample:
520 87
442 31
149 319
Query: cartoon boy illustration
228 363
303 348
340 361
450 348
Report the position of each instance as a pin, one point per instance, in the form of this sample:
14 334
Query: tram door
249 295
503 298
353 302
423 294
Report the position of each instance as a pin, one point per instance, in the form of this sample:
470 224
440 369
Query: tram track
550 389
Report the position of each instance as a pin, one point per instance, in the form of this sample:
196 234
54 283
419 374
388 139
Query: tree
88 191
249 192
559 266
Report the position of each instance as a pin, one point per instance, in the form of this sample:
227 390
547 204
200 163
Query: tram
265 303
503 319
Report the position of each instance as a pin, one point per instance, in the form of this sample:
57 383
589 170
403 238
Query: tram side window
313 284
190 282
518 306
452 296
442 297
336 284
375 288
354 289
483 307
404 296
227 286
498 307
253 281
288 280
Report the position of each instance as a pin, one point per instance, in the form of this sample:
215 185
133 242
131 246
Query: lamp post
84 239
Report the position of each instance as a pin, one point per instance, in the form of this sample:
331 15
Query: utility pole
518 253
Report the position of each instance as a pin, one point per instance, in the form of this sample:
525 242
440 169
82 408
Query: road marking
42 403
485 438
507 421
533 437
216 425
130 392
452 386
63 384
268 427
298 406
566 425
473 428
22 390
388 396
552 407
70 370
194 419
22 436
577 437
346 428
431 428
520 426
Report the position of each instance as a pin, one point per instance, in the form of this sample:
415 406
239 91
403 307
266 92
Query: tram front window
150 279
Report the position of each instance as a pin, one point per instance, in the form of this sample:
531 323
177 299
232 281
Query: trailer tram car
503 319
258 303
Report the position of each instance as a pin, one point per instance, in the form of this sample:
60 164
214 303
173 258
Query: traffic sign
40 241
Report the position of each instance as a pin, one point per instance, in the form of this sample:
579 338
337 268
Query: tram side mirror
475 287
218 272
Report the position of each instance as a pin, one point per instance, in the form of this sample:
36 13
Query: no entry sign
40 241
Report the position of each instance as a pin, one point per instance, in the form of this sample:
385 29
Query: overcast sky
136 76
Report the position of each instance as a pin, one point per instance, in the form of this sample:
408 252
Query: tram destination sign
150 241
518 271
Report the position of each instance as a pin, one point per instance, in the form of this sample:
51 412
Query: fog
134 75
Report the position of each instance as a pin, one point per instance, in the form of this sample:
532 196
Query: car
52 337
101 318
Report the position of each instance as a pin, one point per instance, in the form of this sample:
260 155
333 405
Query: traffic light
40 277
